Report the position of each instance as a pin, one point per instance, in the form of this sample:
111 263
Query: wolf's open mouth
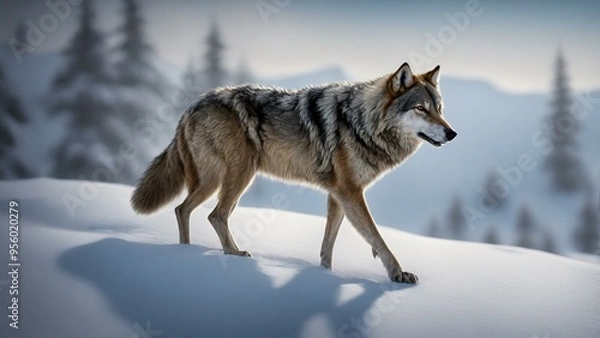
429 139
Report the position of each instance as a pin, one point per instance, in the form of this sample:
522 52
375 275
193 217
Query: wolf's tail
162 182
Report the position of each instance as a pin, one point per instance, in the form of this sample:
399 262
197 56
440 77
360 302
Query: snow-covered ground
93 268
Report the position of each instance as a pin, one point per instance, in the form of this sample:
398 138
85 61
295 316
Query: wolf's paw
326 263
242 253
405 277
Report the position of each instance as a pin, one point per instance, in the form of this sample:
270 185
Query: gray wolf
338 137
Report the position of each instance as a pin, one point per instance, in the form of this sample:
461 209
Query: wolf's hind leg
195 197
335 215
232 188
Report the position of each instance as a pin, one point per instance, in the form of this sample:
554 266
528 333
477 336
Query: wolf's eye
420 109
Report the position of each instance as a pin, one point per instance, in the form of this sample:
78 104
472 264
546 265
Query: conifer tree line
105 95
118 109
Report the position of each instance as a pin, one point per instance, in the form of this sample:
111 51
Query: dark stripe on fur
254 109
315 112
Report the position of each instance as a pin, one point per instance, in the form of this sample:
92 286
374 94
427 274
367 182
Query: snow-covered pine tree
205 73
563 161
82 94
135 67
491 235
457 222
86 52
526 229
12 116
142 91
214 71
587 234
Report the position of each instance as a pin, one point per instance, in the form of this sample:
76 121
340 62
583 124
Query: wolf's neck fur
385 146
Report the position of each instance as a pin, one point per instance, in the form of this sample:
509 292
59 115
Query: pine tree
587 234
214 71
491 236
212 74
145 90
563 161
457 221
526 229
494 190
85 55
135 67
11 114
81 92
434 230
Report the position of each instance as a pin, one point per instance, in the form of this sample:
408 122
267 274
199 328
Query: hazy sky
509 43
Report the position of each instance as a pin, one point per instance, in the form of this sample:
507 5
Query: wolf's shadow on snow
184 292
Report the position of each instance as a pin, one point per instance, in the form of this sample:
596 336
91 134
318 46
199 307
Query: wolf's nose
450 134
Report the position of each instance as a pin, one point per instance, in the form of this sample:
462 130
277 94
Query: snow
93 268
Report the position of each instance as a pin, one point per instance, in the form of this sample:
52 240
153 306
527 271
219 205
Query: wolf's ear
433 76
402 79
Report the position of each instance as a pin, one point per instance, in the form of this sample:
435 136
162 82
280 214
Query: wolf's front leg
357 211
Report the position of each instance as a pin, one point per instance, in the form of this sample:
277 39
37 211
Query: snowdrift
92 268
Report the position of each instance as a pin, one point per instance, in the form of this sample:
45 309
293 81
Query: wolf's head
415 105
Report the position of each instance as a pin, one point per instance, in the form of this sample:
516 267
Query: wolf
337 137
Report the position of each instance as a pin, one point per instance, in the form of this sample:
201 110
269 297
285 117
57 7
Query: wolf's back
161 182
